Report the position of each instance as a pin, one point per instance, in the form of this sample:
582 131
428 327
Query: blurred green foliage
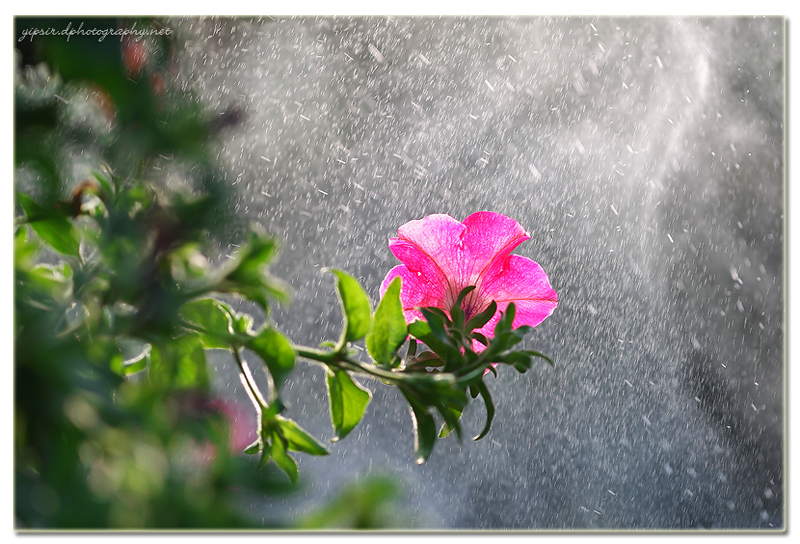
117 300
106 253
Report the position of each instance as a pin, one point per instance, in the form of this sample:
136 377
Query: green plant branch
249 382
338 359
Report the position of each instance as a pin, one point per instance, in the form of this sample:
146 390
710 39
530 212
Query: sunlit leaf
253 448
355 306
211 316
389 328
348 401
298 439
276 352
282 458
137 364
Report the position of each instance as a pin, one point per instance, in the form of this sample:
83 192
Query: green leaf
451 417
137 364
242 323
178 364
276 352
439 389
212 316
424 360
437 322
389 328
56 230
482 318
412 347
298 439
55 280
506 321
283 459
487 399
348 401
480 338
355 306
521 361
25 248
424 428
456 311
422 331
246 274
253 448
533 353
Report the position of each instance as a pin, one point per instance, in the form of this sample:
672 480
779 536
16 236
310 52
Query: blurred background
645 157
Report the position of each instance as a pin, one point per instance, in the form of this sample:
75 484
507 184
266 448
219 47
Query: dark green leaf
542 355
355 306
521 361
424 360
275 350
487 399
482 318
298 439
456 312
389 328
56 230
451 417
424 428
422 331
436 318
480 338
506 321
412 347
348 401
438 388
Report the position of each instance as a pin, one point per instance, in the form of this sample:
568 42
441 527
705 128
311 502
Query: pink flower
442 256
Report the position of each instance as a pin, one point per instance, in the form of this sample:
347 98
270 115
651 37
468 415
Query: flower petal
415 290
522 281
434 238
430 246
488 239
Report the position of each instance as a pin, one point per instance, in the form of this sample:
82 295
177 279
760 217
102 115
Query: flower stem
338 359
